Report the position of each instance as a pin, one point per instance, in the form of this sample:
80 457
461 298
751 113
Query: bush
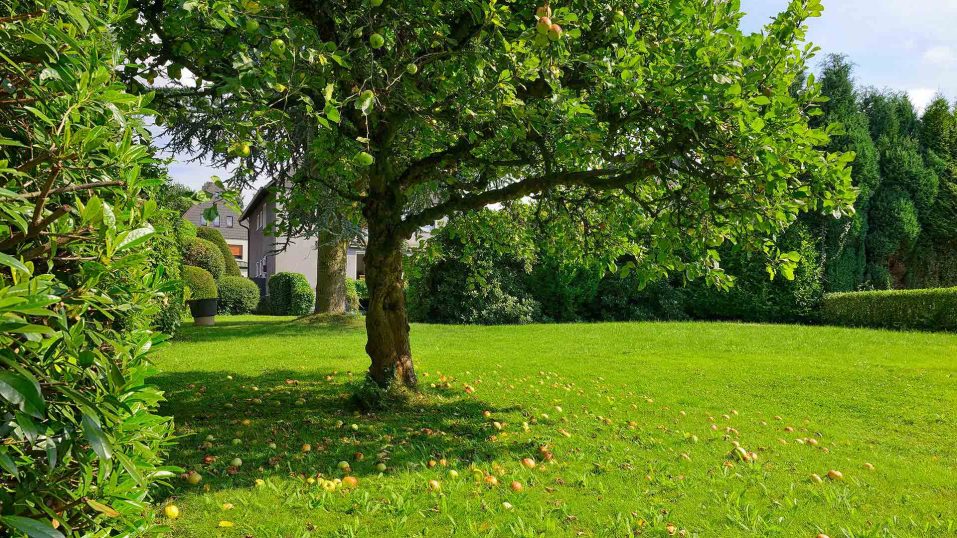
291 295
204 254
237 295
80 443
622 298
212 235
200 283
931 309
352 295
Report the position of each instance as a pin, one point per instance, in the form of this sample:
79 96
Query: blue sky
907 45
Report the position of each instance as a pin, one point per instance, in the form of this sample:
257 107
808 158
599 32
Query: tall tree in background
907 191
936 260
661 111
843 241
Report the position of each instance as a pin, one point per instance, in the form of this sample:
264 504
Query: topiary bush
291 295
200 283
201 253
931 309
237 295
231 268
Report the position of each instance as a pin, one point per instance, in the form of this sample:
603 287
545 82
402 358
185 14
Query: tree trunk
331 275
387 325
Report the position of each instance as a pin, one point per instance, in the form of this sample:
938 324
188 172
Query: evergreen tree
843 250
935 260
907 192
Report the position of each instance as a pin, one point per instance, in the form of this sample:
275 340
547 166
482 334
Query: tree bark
387 324
331 275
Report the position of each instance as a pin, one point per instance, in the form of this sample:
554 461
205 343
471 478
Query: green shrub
352 294
291 295
200 283
213 236
931 309
622 298
204 254
80 443
237 295
185 231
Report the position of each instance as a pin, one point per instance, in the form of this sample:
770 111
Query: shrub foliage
199 252
291 295
237 295
200 283
231 267
931 309
80 445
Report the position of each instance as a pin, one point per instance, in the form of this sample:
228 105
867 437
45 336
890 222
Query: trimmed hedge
205 255
291 295
237 295
213 236
200 283
931 309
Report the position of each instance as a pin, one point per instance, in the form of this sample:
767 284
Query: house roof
257 200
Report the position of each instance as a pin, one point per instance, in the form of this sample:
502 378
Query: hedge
204 254
200 283
213 236
930 309
291 295
237 295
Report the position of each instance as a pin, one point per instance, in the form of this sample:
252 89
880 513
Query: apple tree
661 114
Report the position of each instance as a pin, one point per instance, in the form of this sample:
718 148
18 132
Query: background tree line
902 235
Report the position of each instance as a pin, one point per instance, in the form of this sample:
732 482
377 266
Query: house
299 255
227 223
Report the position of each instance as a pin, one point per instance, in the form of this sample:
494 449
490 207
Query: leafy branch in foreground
81 445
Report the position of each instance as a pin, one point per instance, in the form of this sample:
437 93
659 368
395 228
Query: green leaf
10 261
7 463
102 508
94 434
18 390
32 527
135 237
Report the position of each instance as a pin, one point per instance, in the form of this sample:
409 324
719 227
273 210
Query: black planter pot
203 311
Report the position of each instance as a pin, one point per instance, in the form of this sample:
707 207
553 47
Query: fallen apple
528 463
194 478
435 485
237 462
381 467
350 482
516 486
835 475
171 511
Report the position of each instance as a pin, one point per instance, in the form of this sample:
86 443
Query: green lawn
639 418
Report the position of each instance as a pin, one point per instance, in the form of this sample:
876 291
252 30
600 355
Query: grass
640 419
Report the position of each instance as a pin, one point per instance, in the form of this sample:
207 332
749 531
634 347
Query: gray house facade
300 254
227 223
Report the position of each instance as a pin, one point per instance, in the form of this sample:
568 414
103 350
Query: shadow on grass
244 415
229 329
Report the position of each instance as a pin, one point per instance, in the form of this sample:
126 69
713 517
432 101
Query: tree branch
594 179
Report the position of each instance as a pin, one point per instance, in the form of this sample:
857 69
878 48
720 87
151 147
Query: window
202 219
261 219
229 221
237 251
216 221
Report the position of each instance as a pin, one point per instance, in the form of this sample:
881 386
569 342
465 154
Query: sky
905 45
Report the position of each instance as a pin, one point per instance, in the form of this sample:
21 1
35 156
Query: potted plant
203 297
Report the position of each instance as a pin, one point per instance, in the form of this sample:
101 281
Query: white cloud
921 97
940 55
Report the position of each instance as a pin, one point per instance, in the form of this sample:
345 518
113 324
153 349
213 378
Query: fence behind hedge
930 309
